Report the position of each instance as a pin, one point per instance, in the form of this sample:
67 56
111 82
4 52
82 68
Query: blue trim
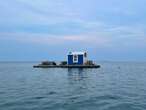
70 59
80 59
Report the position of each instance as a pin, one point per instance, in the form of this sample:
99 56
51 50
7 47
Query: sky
109 30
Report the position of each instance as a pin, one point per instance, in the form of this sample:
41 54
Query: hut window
85 54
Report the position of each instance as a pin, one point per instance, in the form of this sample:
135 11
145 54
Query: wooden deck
66 66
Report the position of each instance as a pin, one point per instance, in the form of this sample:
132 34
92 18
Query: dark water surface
115 86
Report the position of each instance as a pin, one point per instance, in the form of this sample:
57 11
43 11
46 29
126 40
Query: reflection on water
77 80
76 74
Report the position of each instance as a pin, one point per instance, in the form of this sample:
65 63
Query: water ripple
115 86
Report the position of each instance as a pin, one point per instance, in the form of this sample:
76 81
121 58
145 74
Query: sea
114 86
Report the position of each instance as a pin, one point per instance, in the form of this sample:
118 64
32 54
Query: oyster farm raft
74 60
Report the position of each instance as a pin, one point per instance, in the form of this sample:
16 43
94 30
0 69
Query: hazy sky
48 29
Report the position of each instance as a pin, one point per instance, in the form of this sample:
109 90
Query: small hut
77 58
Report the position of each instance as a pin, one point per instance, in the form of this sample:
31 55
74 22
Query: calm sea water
115 86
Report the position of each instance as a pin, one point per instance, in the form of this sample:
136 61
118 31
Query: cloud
56 11
46 39
108 37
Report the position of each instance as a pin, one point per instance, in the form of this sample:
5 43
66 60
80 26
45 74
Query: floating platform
66 66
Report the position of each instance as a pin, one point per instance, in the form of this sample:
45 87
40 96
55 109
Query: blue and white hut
77 58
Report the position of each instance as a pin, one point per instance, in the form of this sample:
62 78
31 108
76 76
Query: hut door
75 58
